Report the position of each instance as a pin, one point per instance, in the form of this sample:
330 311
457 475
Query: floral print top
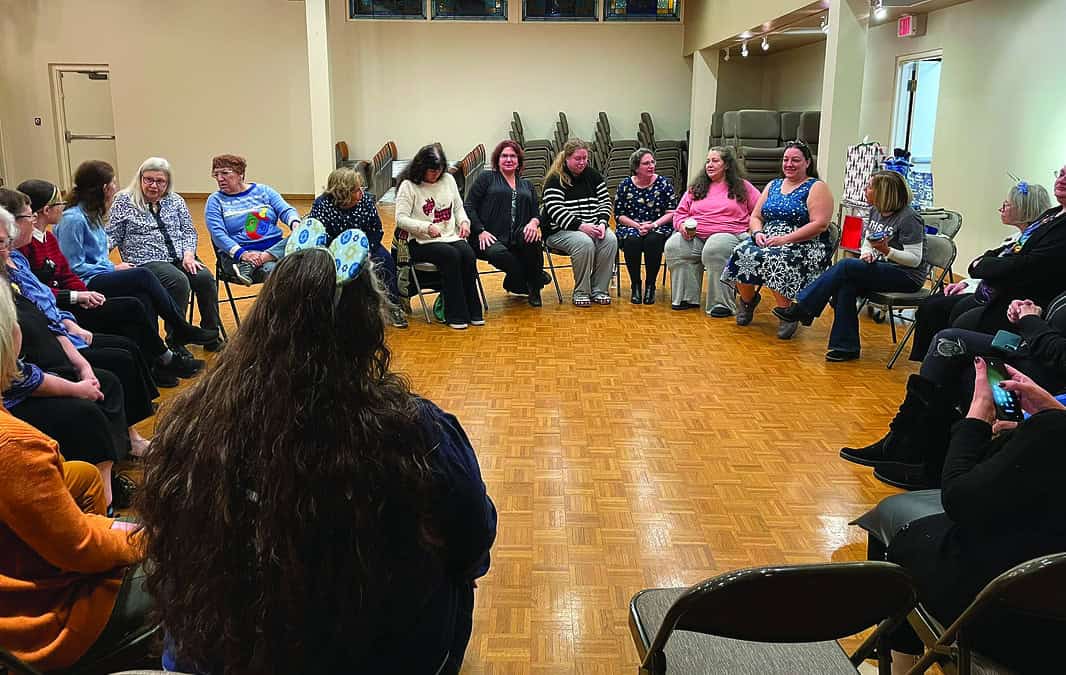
643 204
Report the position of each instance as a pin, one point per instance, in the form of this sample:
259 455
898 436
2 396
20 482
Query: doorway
915 112
85 123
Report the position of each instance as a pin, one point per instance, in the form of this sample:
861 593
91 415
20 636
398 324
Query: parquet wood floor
630 447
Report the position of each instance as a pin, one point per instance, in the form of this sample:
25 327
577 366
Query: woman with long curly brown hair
304 511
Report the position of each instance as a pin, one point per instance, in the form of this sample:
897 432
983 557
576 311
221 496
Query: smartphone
1008 407
1005 341
876 236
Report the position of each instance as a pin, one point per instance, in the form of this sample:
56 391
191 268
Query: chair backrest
947 223
809 123
939 252
717 120
790 122
789 604
381 169
729 127
758 128
340 152
833 233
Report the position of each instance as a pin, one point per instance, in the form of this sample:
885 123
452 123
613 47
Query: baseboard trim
285 195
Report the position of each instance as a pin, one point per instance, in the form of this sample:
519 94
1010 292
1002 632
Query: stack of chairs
380 182
466 170
538 154
671 157
759 137
562 131
610 156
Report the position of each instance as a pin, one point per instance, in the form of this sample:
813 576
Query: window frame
352 16
671 18
487 17
594 17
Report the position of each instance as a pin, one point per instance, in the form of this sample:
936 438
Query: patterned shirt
139 237
643 205
25 383
363 216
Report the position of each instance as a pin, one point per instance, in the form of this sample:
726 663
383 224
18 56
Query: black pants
458 274
89 431
180 284
121 357
522 263
123 316
964 311
651 247
139 283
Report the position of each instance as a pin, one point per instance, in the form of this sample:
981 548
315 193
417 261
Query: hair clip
1023 188
350 249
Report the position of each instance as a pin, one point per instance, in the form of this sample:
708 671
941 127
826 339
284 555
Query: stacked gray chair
717 122
671 157
808 129
790 122
611 156
758 142
538 154
562 131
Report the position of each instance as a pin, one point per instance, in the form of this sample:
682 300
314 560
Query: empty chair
772 620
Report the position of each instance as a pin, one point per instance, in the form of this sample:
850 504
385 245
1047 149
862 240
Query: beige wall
786 80
1000 105
457 83
188 80
708 22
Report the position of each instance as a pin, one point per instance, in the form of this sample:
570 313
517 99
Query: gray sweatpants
592 259
687 261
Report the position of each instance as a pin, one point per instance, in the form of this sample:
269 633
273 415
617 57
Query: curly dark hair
734 177
428 157
288 492
508 143
90 179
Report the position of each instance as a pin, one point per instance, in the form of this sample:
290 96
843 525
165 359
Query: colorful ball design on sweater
257 223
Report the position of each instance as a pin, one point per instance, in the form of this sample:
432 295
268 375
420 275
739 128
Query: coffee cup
690 225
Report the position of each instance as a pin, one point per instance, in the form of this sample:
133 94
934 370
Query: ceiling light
879 9
744 50
745 35
765 44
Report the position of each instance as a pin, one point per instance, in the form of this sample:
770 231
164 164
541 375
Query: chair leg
232 303
418 289
901 345
481 291
892 322
555 278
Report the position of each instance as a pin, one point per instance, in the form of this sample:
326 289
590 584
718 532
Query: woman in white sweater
430 209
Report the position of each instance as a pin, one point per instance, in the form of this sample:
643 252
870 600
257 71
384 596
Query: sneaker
243 272
397 318
720 312
459 326
685 305
180 366
189 334
904 476
163 378
477 322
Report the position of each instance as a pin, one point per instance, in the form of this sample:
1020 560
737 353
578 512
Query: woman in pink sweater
710 221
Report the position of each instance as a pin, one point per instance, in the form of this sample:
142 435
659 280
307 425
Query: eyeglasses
154 181
26 216
222 172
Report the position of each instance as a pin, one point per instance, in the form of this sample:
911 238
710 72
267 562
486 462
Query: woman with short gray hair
151 227
643 215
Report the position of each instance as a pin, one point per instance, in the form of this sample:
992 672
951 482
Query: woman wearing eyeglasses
83 240
243 221
151 227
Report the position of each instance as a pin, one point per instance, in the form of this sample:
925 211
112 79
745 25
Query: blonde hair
556 169
9 367
891 193
343 183
134 188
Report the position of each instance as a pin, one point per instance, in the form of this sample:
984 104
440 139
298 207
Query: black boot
649 294
917 437
636 297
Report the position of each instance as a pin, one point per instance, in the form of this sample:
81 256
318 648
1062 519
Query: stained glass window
642 10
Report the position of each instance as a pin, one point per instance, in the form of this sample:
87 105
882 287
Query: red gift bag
851 237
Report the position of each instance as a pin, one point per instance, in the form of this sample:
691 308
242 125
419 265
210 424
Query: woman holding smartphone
890 260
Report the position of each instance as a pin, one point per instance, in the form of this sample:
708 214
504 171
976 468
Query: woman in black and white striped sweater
576 212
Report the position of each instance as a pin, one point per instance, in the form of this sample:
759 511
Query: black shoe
215 346
180 350
244 272
122 490
534 297
746 310
181 366
721 312
871 455
786 329
685 305
793 313
905 476
545 278
634 296
398 318
838 355
188 334
163 378
649 295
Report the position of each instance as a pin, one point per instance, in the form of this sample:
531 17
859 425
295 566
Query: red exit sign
910 25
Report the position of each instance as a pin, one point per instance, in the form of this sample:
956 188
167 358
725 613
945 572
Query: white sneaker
459 326
478 322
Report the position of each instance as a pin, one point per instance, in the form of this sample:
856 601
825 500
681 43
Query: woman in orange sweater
67 581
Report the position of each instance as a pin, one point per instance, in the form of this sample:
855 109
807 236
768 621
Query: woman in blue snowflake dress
789 247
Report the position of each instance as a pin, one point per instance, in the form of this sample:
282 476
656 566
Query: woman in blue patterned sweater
643 215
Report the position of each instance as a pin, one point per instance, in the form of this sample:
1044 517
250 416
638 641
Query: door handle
89 137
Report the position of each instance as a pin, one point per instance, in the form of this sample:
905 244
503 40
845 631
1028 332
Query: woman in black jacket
911 454
1029 267
504 227
1001 504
